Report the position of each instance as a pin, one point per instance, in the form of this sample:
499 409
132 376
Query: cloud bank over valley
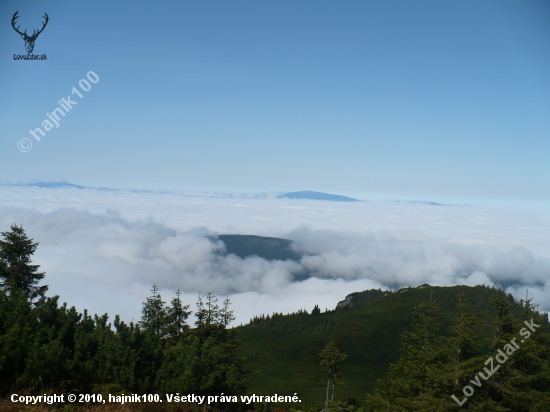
104 252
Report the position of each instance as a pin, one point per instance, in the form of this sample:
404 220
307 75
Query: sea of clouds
104 250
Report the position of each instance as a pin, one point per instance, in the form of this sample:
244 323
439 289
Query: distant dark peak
308 194
53 185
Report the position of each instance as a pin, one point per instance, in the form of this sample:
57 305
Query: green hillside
284 350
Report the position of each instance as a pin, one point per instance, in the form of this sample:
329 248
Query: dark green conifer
226 315
416 382
154 317
331 358
207 360
17 274
177 315
523 380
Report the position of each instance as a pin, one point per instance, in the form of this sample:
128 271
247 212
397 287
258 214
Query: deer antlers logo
29 40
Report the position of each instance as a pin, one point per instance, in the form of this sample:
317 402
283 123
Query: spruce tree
17 273
212 310
208 313
464 345
226 315
522 383
504 321
416 382
177 315
331 358
153 314
20 329
207 360
316 310
465 338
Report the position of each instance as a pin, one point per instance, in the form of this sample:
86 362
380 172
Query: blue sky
396 99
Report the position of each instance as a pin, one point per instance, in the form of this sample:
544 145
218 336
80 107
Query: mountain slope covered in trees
284 350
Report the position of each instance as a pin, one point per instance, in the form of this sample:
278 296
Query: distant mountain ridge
427 202
311 195
307 194
52 185
67 185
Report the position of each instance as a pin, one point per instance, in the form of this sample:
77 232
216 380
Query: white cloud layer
107 260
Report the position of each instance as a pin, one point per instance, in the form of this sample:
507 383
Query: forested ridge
408 350
48 346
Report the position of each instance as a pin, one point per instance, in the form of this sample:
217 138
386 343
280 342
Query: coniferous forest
48 346
416 349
